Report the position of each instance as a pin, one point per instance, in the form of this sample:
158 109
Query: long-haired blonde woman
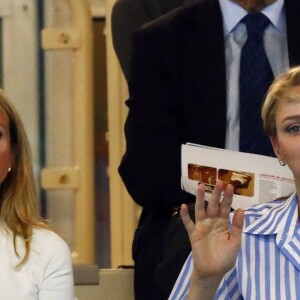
35 262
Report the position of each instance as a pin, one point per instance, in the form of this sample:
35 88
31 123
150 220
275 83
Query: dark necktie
255 77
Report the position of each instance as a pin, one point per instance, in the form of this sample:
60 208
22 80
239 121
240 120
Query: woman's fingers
199 210
219 206
225 205
213 207
187 221
200 203
237 224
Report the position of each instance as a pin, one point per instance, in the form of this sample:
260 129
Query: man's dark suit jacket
177 94
128 15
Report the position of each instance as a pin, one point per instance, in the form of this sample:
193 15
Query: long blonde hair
18 198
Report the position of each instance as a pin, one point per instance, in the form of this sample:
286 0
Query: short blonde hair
18 198
281 90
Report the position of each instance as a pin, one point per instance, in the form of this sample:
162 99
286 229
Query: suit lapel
292 10
205 59
187 2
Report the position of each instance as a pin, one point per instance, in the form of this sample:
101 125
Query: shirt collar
276 220
234 13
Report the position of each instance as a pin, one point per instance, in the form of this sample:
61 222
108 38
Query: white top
48 273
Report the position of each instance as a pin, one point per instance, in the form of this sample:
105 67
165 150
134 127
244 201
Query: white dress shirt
47 275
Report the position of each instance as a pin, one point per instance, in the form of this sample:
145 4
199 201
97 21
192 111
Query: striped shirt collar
279 219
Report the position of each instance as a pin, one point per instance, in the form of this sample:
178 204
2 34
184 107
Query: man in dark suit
179 77
128 15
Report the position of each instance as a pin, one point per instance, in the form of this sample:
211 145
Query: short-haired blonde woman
35 262
258 255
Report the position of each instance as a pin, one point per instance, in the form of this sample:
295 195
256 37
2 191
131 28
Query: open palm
214 245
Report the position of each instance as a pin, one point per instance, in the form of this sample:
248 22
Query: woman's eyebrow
293 117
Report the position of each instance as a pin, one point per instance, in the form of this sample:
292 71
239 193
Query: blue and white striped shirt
268 264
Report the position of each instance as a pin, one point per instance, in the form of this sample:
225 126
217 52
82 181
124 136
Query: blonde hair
18 198
282 90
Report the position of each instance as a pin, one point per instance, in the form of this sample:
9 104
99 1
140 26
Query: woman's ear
276 148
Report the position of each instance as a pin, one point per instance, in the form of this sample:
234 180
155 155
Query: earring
282 163
9 169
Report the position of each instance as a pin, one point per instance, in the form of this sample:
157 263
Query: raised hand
214 246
